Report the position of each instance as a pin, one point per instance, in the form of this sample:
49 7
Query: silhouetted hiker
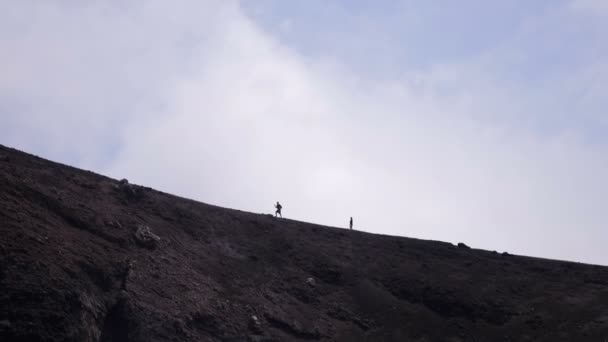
279 207
351 223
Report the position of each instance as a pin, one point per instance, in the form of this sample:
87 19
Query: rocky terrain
87 258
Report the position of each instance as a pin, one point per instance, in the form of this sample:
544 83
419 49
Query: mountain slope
77 264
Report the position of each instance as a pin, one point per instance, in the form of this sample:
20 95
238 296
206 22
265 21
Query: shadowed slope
72 270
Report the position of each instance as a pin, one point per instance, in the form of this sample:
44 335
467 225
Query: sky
461 121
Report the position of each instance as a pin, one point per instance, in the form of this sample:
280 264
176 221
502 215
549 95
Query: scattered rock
311 282
255 325
5 325
292 327
130 190
127 273
146 238
364 324
114 224
463 246
505 254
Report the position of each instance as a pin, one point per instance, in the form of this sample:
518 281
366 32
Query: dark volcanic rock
69 271
131 191
145 237
463 246
311 282
255 325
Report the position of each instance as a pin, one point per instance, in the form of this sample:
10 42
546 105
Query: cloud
597 7
74 74
201 100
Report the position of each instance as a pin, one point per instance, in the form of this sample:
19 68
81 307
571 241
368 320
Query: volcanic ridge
91 259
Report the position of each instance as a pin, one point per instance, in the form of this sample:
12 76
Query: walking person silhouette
279 207
351 223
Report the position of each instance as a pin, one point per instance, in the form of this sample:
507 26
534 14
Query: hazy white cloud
201 100
598 7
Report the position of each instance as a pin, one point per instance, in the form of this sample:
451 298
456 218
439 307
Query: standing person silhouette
351 223
279 207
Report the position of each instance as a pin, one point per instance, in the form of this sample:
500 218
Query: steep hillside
78 264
